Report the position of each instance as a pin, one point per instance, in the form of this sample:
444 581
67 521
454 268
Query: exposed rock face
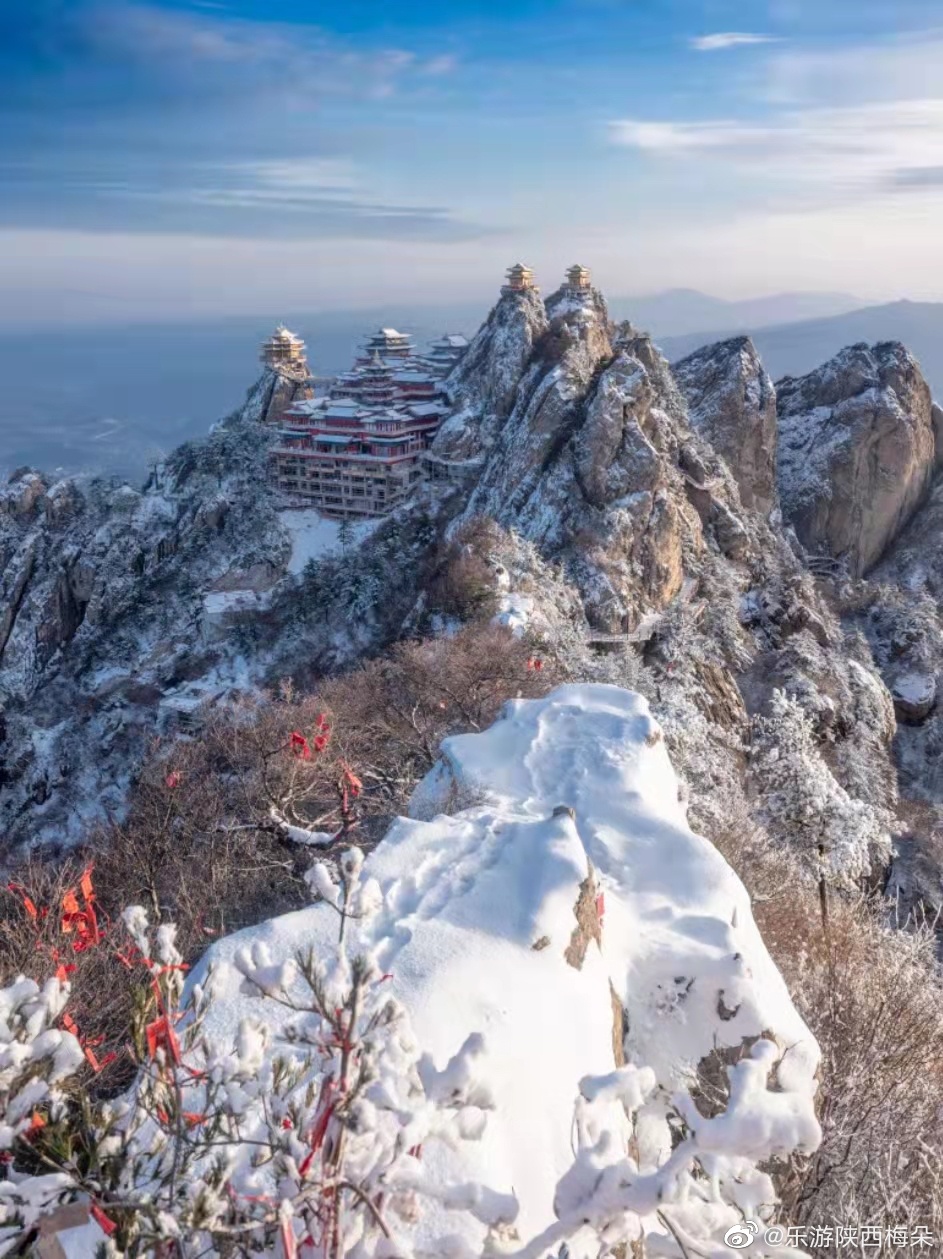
598 466
274 392
483 385
732 403
101 604
903 620
856 451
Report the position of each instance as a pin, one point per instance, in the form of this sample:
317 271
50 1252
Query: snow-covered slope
492 924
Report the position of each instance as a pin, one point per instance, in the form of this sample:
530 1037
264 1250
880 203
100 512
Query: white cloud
857 147
683 137
907 67
728 39
445 64
319 176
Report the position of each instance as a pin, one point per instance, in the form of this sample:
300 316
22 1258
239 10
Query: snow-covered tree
803 801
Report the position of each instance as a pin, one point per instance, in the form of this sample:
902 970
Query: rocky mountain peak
484 383
857 448
732 403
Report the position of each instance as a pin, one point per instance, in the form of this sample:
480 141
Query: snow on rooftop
479 912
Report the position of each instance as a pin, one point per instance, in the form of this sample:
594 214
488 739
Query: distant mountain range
112 399
792 349
678 312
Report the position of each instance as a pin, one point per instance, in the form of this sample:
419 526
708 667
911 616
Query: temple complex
360 448
357 450
284 351
390 345
442 355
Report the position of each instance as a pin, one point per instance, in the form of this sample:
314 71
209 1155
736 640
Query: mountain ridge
796 348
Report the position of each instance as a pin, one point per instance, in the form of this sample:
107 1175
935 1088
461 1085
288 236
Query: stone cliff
857 451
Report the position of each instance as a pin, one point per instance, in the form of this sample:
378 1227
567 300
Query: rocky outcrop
270 398
857 450
598 466
102 589
483 385
732 403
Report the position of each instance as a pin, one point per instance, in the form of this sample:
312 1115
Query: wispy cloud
263 128
917 177
867 147
216 51
275 199
728 39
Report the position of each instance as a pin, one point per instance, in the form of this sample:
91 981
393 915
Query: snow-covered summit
483 385
570 915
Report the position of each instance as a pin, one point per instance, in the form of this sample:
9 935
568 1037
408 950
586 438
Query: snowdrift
564 909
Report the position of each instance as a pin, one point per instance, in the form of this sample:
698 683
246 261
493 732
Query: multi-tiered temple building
356 450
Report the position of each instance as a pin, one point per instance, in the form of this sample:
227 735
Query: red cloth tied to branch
28 903
106 1225
97 1065
161 1035
299 747
351 779
78 921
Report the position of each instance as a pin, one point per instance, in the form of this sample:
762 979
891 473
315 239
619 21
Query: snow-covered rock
914 695
732 402
571 917
598 467
274 392
857 450
483 384
106 592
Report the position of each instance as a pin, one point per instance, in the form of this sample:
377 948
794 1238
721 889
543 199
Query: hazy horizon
120 397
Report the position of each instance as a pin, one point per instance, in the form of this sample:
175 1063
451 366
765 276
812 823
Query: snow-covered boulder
570 915
914 696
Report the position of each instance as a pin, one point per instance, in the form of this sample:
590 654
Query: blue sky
188 157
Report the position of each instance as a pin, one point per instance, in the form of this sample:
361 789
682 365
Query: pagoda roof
282 333
425 410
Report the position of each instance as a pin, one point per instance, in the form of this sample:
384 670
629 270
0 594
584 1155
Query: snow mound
313 535
567 902
515 611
